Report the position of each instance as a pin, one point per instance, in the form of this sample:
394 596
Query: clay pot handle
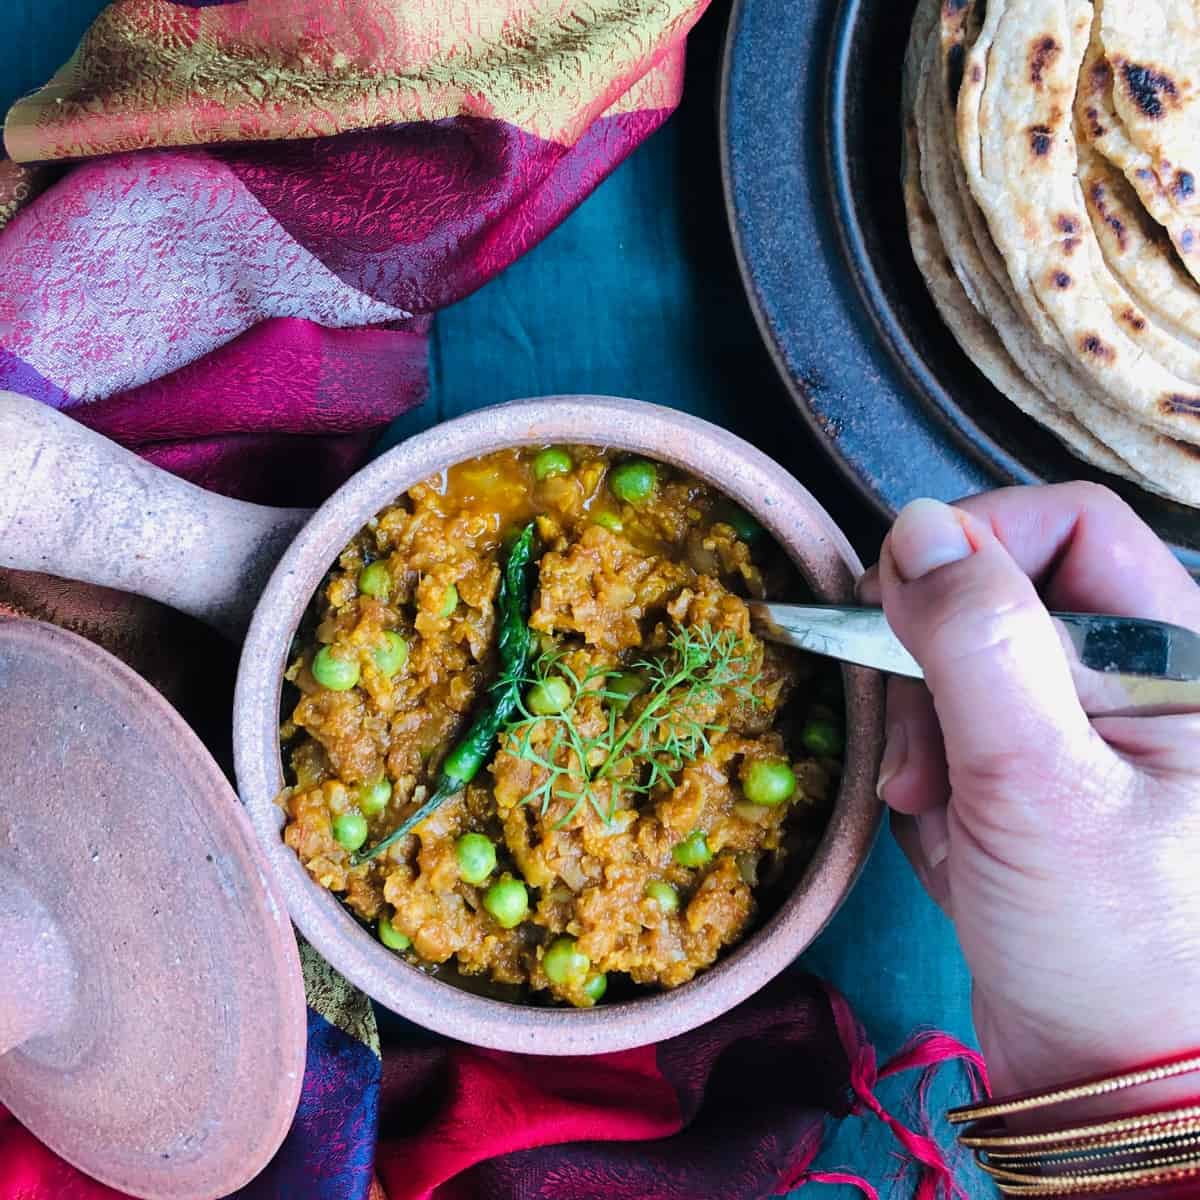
77 505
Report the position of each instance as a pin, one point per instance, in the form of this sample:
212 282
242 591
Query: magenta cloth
213 309
735 1110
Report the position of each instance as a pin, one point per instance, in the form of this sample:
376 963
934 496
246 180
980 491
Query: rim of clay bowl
798 523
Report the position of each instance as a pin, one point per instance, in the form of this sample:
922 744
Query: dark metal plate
810 128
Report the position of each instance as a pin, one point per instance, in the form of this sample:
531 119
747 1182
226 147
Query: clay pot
209 556
152 1012
799 524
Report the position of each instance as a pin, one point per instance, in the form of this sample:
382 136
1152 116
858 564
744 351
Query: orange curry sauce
615 583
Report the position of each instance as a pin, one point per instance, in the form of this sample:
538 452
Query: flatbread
971 330
993 204
987 320
1129 210
925 19
970 319
1017 145
979 339
1102 126
1153 48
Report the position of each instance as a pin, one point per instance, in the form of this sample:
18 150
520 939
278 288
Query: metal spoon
1121 665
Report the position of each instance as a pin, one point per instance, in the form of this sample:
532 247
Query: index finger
1088 551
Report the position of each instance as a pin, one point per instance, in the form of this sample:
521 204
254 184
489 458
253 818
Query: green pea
693 851
550 696
391 655
391 937
663 894
476 857
634 481
373 797
508 901
742 523
594 986
608 520
769 782
350 829
622 688
822 737
334 672
374 580
449 601
565 962
554 461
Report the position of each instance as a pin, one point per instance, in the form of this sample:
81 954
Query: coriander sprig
669 729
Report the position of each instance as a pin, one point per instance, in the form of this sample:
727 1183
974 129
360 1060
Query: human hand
1066 850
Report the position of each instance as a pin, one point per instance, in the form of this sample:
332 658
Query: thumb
992 658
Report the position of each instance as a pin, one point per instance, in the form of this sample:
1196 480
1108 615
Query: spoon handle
77 505
1120 665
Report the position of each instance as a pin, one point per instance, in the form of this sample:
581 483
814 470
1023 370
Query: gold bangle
1086 1090
1150 1179
1121 1125
1106 1155
1013 1183
1099 1164
1084 1155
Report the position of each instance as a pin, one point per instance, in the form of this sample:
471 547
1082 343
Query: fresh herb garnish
643 745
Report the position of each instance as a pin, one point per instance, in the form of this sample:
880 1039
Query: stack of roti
1052 181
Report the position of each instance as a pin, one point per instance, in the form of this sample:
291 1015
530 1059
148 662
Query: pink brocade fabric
242 419
215 307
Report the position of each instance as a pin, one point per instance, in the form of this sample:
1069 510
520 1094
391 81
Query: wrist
1063 1073
1035 1055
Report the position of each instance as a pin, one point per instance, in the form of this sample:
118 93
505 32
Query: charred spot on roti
976 73
955 61
1042 54
954 6
1187 239
1041 138
1093 345
1061 280
1133 319
1183 405
1067 223
1096 194
1152 91
1094 127
1184 185
1070 244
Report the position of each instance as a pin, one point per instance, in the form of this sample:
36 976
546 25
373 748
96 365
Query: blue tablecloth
637 294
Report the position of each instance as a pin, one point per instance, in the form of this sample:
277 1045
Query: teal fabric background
637 294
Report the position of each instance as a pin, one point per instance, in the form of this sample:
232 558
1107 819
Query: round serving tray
810 132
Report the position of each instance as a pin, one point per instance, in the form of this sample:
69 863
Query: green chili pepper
475 747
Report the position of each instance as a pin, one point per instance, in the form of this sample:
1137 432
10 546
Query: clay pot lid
151 1002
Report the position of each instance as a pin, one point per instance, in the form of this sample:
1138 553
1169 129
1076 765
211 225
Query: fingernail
927 534
933 831
895 754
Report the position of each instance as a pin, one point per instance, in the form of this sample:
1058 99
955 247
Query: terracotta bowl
802 528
